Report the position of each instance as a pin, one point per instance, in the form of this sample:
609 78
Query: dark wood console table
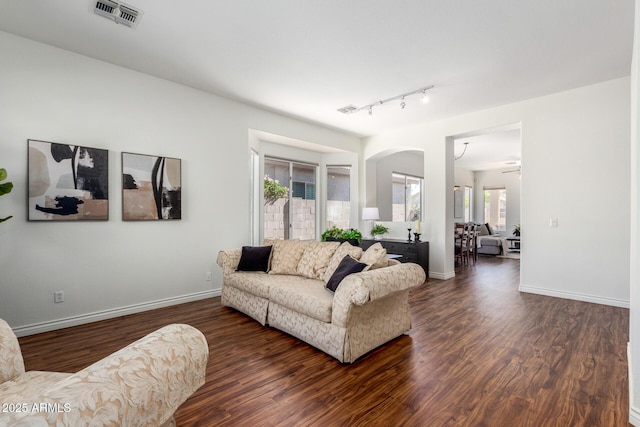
417 252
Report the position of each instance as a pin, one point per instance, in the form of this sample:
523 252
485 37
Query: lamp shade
370 213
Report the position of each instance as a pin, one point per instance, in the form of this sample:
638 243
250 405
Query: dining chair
460 245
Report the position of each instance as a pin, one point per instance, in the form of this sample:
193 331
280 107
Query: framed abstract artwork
151 187
67 182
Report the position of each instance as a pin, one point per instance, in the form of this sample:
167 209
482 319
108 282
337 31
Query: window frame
406 177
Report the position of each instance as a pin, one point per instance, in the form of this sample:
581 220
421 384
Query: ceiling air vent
348 109
118 12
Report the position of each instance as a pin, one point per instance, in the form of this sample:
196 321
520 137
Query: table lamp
370 214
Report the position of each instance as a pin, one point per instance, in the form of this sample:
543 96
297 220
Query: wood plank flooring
479 354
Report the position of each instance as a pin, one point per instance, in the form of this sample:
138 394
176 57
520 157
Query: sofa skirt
370 326
249 304
325 336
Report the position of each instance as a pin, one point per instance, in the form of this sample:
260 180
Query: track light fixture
425 97
350 109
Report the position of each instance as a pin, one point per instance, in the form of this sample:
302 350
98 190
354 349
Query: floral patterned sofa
140 385
366 310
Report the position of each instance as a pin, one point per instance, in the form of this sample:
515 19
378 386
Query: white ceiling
307 58
489 149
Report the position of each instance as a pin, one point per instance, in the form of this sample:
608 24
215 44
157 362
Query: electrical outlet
58 296
208 276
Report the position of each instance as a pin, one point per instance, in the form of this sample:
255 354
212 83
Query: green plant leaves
338 233
273 190
379 229
5 188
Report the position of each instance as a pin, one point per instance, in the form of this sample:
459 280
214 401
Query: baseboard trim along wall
37 328
634 413
575 296
442 276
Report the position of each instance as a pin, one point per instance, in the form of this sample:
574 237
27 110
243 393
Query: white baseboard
634 416
634 413
442 276
575 296
37 328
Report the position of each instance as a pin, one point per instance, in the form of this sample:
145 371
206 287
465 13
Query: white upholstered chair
140 385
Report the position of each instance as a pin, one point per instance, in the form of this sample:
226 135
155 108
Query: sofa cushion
304 296
315 259
257 284
346 267
344 249
375 256
489 241
287 255
255 258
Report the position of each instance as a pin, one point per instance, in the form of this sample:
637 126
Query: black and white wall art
151 187
67 182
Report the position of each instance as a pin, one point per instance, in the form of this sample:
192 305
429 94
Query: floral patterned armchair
140 385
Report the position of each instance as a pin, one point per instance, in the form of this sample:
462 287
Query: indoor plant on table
378 230
516 230
335 234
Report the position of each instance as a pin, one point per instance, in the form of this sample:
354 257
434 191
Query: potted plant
353 236
335 234
378 230
5 188
332 234
516 230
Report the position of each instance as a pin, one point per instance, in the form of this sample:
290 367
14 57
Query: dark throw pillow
489 230
346 267
254 258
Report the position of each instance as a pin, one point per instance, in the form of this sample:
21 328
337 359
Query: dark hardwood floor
479 354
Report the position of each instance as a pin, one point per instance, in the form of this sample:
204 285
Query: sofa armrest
11 362
140 385
360 288
229 259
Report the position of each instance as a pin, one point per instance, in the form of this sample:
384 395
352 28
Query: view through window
495 207
289 200
468 203
407 197
338 196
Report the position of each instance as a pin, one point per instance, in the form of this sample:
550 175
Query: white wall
575 168
495 178
634 315
112 267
